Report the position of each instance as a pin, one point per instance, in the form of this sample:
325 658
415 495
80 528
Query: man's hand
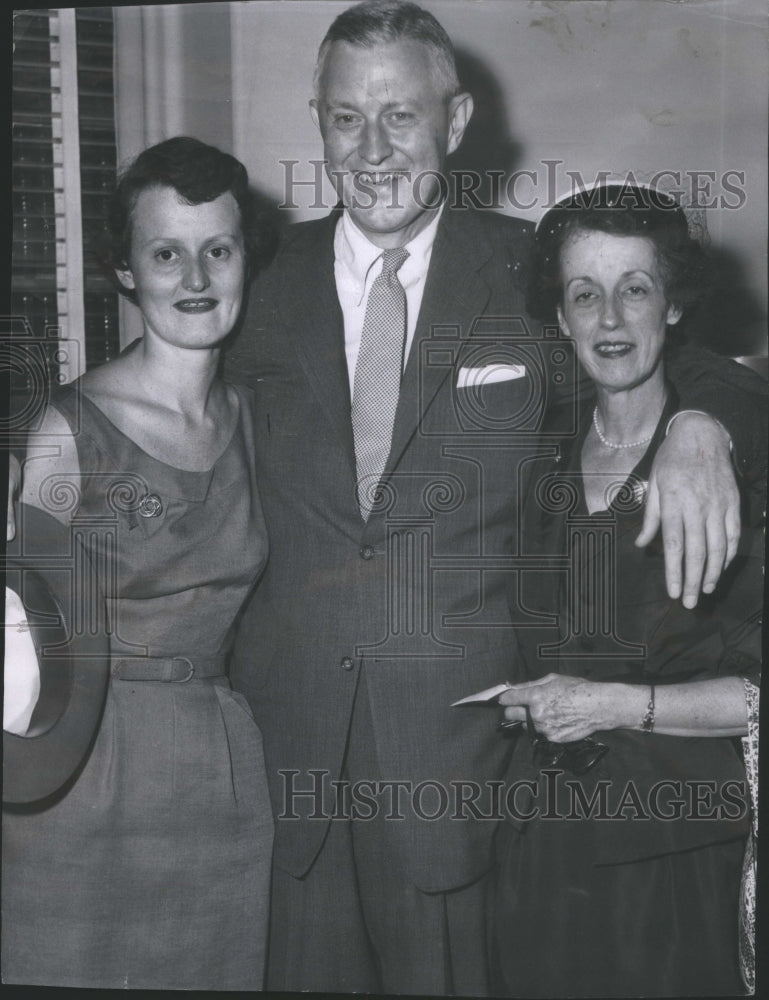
693 492
14 487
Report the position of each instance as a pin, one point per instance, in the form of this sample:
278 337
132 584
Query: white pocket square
499 372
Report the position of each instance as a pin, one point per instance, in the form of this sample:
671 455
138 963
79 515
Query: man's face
387 128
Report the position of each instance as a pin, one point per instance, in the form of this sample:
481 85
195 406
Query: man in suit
384 598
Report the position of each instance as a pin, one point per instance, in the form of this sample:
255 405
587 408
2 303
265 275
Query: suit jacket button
367 552
346 663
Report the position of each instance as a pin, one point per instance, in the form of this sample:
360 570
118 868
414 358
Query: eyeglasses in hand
577 757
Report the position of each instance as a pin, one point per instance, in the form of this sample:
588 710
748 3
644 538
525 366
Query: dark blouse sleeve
735 395
726 638
743 644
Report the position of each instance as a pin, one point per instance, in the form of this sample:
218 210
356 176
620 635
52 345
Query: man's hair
374 22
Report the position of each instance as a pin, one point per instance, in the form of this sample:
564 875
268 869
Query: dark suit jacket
417 593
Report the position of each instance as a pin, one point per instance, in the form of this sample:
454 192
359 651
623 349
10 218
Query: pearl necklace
611 444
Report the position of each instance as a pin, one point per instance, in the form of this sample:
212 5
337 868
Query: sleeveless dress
151 868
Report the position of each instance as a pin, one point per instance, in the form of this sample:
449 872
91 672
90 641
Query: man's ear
125 278
315 113
460 113
562 322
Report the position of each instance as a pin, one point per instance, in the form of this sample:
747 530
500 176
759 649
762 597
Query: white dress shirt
358 263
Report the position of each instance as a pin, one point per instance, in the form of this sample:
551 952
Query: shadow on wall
731 320
268 223
488 145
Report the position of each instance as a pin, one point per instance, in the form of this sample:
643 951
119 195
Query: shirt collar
357 253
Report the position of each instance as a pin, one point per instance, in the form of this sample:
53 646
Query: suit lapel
455 295
313 321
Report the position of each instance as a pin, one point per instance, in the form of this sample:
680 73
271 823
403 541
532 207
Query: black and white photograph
386 436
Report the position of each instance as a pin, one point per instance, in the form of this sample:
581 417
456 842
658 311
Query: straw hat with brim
48 568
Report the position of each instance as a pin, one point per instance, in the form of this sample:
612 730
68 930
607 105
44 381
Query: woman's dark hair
619 210
198 172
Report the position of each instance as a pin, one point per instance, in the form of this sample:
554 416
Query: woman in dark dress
151 867
621 863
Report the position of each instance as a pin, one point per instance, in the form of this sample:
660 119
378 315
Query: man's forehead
405 66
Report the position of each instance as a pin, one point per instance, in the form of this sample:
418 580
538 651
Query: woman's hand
564 709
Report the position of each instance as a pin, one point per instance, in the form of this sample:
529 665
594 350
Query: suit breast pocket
502 405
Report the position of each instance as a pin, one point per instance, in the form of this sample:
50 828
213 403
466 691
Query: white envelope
488 695
488 374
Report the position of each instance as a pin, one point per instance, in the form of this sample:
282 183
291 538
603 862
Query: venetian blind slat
95 31
57 221
34 250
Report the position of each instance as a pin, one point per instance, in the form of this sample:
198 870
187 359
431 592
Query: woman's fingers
520 694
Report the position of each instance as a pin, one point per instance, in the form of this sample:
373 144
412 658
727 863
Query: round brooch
150 505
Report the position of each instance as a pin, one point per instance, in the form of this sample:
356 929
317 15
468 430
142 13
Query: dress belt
173 669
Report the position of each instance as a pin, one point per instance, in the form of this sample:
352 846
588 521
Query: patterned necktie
378 376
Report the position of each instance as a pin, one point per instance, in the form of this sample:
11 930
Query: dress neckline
640 471
159 461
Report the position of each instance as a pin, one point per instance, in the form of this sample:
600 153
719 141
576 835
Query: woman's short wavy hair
198 173
619 210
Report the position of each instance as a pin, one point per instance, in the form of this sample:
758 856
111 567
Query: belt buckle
190 669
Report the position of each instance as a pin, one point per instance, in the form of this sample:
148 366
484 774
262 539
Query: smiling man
388 119
391 502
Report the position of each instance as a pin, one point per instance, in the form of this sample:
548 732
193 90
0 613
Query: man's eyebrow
341 105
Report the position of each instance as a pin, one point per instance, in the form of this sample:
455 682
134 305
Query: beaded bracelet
647 723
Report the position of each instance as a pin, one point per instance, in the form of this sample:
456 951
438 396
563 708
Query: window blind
63 169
